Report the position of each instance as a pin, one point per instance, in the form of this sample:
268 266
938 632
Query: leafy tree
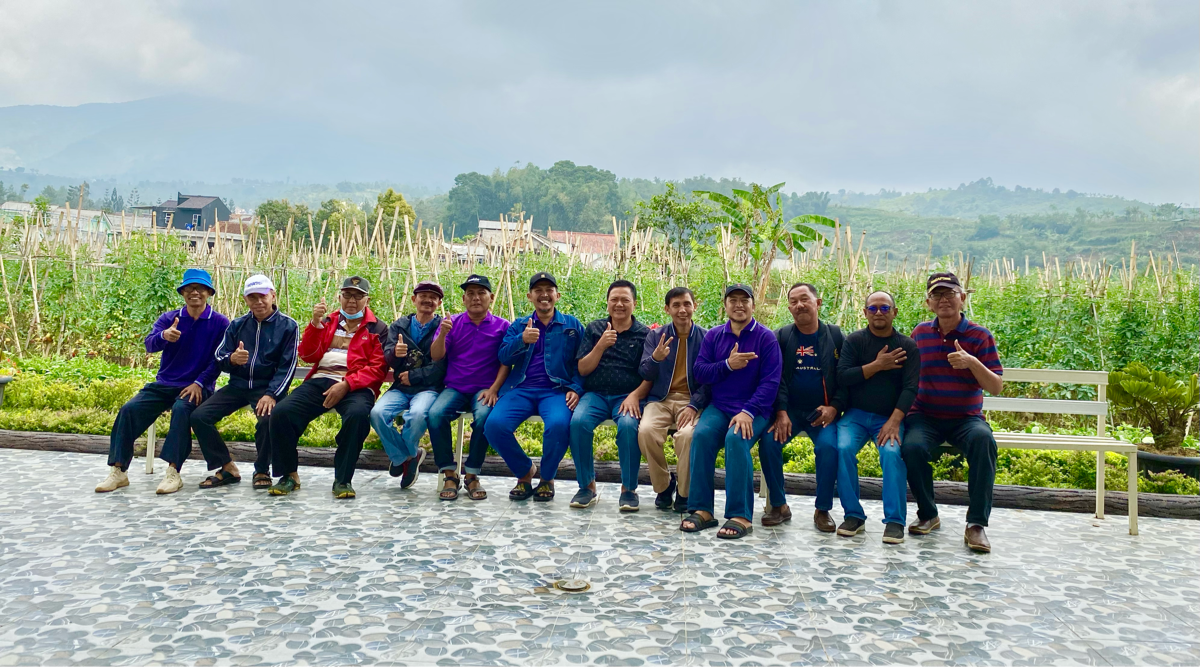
275 214
680 217
387 202
988 227
113 202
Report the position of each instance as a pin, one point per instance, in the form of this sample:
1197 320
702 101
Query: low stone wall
948 493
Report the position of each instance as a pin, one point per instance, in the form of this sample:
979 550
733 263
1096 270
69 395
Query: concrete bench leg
1100 484
150 438
1133 493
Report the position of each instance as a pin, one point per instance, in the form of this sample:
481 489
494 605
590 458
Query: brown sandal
260 481
475 489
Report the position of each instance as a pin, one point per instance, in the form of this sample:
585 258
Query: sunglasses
879 309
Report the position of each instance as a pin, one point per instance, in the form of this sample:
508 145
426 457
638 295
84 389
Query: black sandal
739 531
475 490
220 478
261 481
698 523
451 490
544 492
522 491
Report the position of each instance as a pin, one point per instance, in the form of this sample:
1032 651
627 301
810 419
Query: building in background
191 212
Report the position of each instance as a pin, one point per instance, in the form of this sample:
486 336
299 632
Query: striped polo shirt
945 392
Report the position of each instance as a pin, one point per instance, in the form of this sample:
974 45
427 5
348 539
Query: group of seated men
734 386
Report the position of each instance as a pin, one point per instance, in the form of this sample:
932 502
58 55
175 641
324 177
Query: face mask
348 316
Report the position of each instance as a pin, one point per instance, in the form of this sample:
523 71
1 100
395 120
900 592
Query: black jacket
272 346
423 372
829 339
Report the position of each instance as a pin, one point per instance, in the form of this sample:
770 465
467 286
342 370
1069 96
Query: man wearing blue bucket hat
188 338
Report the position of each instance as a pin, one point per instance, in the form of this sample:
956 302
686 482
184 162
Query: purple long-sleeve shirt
751 389
191 359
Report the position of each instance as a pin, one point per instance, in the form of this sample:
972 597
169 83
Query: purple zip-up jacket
751 389
190 359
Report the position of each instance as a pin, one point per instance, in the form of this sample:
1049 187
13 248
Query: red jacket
364 358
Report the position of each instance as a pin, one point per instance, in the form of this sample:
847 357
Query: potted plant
1163 403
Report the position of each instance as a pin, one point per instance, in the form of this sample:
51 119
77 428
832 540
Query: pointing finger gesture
739 360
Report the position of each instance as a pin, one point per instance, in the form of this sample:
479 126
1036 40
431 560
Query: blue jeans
713 432
449 404
594 408
770 455
519 404
854 429
401 446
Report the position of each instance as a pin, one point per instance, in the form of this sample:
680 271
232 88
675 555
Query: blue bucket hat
196 276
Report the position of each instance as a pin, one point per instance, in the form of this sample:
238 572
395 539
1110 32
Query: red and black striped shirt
946 392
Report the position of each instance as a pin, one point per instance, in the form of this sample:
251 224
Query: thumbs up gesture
739 360
240 356
171 335
530 335
446 325
959 358
608 338
401 348
663 348
318 313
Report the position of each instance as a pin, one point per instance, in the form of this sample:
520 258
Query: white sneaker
170 483
115 480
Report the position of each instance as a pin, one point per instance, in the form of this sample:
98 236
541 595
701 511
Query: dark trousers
449 404
226 401
923 435
301 407
140 412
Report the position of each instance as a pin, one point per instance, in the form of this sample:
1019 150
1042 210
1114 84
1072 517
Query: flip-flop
739 531
522 491
698 523
220 478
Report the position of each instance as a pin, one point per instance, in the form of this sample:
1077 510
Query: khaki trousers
652 435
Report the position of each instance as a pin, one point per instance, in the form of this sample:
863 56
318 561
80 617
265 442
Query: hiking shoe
924 526
343 490
585 498
680 506
893 533
629 501
664 500
396 469
171 482
851 527
413 469
284 486
115 480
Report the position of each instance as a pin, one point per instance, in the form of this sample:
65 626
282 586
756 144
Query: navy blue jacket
562 342
424 374
650 369
272 347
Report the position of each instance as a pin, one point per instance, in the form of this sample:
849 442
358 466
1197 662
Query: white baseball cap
258 284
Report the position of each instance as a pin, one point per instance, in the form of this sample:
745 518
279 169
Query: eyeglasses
353 296
885 309
942 295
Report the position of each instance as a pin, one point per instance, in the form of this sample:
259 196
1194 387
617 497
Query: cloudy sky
1096 96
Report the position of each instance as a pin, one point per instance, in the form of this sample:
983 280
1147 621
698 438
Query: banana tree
760 228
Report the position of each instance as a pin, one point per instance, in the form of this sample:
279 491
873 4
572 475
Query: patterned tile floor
396 577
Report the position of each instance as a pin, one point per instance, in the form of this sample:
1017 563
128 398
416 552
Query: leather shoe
777 515
824 522
976 539
925 526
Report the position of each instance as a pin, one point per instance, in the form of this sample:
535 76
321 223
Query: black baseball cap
476 279
540 276
739 287
357 283
943 279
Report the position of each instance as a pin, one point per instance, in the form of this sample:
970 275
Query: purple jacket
751 389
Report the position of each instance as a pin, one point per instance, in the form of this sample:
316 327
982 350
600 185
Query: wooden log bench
1100 443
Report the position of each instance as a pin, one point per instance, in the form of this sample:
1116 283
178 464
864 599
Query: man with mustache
809 400
541 350
879 369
